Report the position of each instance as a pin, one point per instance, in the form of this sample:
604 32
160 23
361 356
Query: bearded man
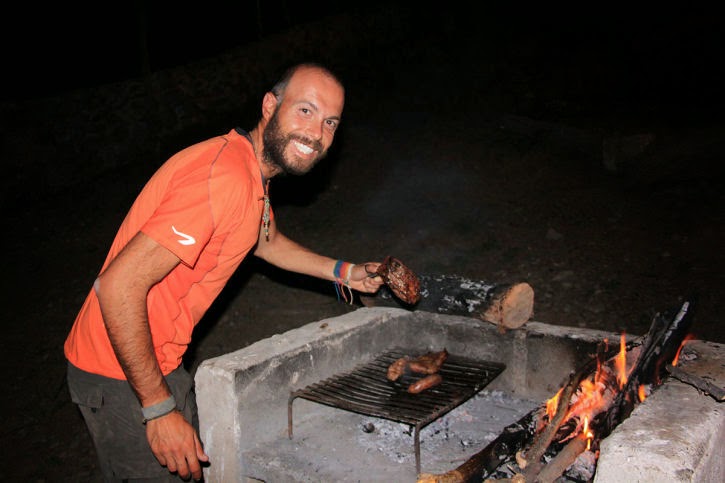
188 230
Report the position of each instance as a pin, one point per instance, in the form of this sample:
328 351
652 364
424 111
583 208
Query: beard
276 143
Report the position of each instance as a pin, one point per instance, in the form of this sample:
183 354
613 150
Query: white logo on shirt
185 239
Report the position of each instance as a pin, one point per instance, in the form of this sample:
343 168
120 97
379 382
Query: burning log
650 358
658 349
511 440
532 457
566 457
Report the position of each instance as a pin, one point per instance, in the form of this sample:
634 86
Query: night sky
672 50
61 46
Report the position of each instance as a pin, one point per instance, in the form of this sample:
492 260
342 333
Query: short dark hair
281 85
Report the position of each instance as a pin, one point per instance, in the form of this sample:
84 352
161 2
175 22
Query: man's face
302 126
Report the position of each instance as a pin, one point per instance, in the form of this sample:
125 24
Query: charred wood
530 460
717 393
508 305
509 442
658 349
563 460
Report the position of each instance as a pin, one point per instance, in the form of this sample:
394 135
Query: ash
452 438
331 444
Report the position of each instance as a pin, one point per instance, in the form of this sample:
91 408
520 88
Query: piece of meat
400 279
429 363
397 368
425 383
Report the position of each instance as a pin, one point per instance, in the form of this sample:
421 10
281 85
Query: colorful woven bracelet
342 272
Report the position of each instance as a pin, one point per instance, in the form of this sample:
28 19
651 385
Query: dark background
61 47
580 150
663 61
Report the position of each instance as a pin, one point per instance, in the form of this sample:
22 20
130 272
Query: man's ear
269 104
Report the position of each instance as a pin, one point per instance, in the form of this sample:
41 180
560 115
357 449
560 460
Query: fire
594 394
588 433
641 392
687 338
621 362
552 403
600 395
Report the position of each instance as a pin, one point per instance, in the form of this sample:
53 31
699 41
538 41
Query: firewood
512 438
510 306
563 460
532 456
658 349
717 393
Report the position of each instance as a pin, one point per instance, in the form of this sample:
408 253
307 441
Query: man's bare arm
290 255
122 290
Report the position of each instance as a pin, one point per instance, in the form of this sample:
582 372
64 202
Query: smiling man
193 223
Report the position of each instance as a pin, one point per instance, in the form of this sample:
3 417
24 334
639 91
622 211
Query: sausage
428 363
425 383
397 368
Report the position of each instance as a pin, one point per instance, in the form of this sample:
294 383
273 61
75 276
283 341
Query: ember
585 410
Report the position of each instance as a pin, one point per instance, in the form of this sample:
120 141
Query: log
511 440
716 392
563 460
531 457
658 349
508 305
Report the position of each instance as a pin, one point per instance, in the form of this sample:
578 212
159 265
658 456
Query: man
191 226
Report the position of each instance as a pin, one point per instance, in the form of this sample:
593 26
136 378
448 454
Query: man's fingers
171 465
200 454
195 469
187 465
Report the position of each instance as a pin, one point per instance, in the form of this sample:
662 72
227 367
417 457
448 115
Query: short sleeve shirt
205 205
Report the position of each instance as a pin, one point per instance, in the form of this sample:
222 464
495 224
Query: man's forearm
126 320
287 254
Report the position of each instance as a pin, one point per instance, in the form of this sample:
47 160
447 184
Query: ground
609 219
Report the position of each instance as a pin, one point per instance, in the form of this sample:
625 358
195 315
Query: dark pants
113 416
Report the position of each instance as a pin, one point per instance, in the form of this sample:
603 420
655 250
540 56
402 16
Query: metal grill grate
367 390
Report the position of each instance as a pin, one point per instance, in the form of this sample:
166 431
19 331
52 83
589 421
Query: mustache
314 144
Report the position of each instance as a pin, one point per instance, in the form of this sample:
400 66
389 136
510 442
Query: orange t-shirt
205 205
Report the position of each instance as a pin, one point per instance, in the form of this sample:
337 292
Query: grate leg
417 449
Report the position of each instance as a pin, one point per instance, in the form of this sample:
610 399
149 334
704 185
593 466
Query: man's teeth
305 149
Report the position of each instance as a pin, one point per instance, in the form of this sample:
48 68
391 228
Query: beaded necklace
265 213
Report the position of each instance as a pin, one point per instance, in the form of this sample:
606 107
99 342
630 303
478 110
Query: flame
590 398
594 394
588 433
641 393
621 362
687 338
552 403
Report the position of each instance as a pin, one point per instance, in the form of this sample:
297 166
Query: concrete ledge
676 435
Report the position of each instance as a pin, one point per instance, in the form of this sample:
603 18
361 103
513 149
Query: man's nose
314 131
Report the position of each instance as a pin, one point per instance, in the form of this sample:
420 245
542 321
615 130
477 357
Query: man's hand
176 445
364 279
